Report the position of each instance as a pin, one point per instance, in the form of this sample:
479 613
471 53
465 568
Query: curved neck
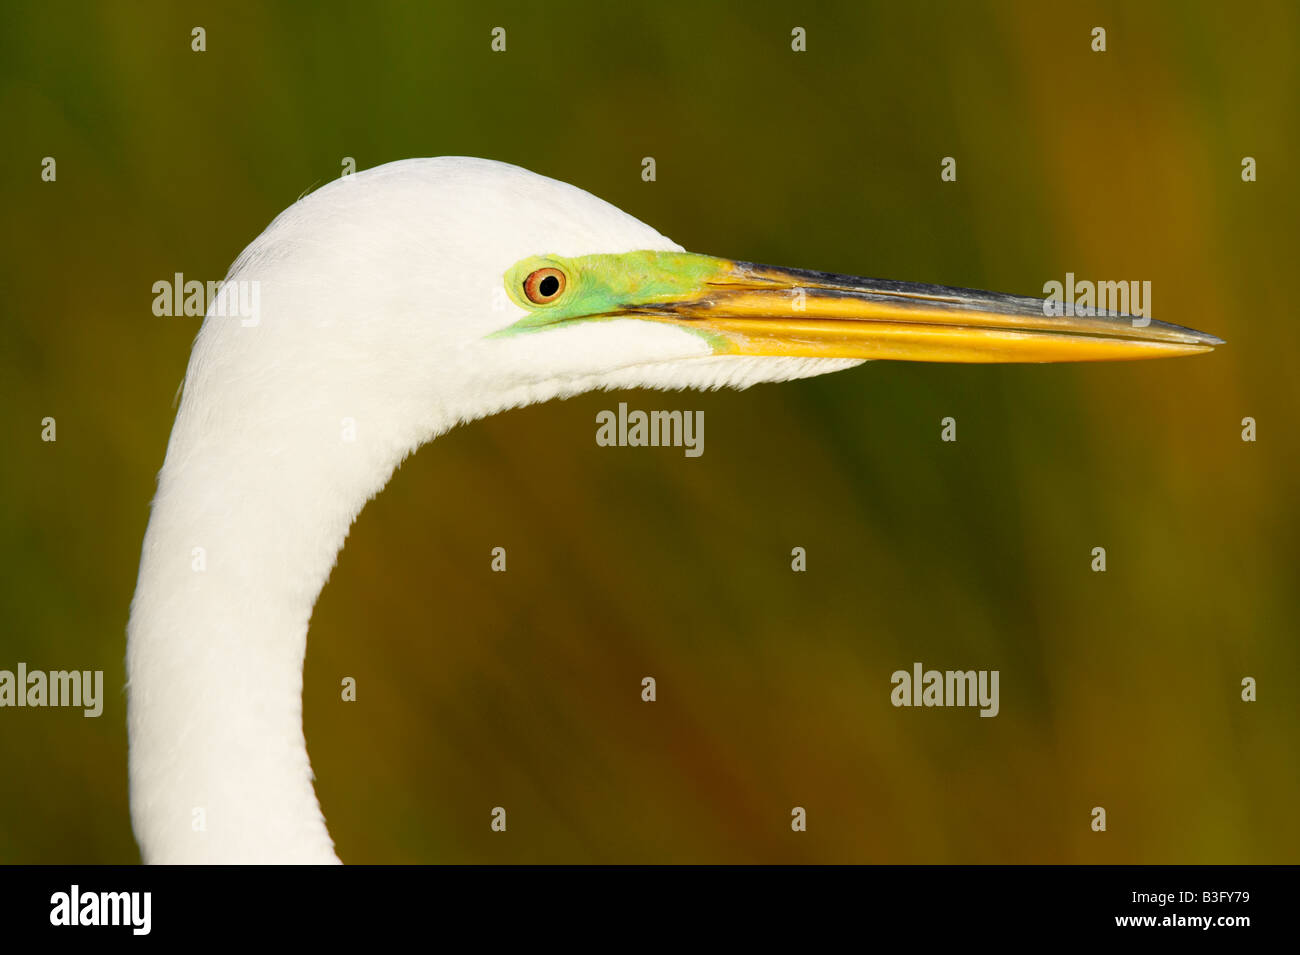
243 534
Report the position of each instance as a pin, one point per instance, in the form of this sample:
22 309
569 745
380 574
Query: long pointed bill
748 309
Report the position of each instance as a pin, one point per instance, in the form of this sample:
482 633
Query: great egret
404 300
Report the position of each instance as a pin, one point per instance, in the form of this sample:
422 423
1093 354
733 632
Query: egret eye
544 285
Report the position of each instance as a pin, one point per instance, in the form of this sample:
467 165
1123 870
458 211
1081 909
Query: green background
522 689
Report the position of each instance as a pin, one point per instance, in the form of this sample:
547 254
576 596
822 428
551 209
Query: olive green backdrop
522 689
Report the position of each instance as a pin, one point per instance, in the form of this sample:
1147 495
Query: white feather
377 293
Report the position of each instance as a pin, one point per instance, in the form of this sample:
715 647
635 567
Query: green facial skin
605 287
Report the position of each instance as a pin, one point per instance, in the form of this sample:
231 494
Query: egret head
470 286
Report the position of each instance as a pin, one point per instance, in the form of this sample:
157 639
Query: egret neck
246 527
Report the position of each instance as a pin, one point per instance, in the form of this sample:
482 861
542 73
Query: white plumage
377 294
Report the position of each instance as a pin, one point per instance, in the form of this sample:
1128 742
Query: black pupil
548 286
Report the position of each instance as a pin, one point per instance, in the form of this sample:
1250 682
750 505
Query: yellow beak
748 309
